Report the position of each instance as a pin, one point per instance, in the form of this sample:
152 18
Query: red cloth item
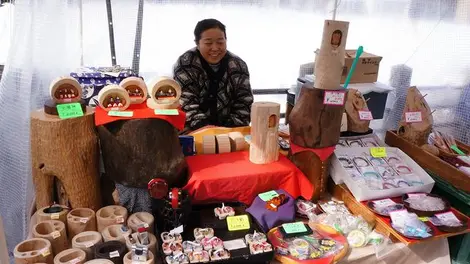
322 153
140 111
231 177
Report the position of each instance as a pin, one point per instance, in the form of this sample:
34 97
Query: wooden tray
430 162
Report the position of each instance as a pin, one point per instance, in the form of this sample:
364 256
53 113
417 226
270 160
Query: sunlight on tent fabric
6 24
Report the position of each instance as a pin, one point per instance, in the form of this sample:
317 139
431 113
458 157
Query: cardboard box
367 68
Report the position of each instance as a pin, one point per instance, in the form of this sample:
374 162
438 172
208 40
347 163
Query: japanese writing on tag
55 216
266 196
69 110
365 115
166 112
448 216
238 222
120 219
114 254
416 195
413 117
121 113
384 203
334 98
378 152
293 228
55 234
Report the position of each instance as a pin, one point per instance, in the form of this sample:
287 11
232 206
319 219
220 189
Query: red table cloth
231 177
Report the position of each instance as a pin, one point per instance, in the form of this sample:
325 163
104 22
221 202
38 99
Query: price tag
238 222
172 112
334 98
398 217
84 220
177 230
446 217
234 244
74 261
379 152
69 110
121 113
293 228
55 216
384 203
423 219
413 117
266 196
147 226
55 234
416 195
120 219
46 253
365 115
88 244
114 254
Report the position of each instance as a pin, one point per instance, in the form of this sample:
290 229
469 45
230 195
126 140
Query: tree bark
354 104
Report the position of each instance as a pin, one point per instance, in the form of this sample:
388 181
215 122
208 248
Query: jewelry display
346 162
354 143
361 162
403 169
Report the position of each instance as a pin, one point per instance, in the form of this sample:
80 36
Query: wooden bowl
426 213
371 206
454 229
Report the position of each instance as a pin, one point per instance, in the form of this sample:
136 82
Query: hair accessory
275 202
403 183
255 238
377 161
355 143
219 254
361 162
179 258
199 256
403 169
393 160
345 162
212 243
167 237
190 246
224 211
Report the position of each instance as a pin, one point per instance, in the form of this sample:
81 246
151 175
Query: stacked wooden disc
86 241
209 145
80 220
128 259
141 219
35 250
116 232
110 215
223 143
264 146
237 141
55 232
70 256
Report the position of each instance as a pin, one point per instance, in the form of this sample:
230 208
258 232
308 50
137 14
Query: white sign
398 217
84 220
334 98
114 254
384 203
413 117
365 115
55 234
449 216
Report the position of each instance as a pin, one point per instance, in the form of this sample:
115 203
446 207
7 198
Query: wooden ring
65 90
164 93
136 88
114 98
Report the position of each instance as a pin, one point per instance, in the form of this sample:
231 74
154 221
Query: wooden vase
56 212
80 220
152 246
65 151
35 250
128 259
55 232
110 215
115 232
86 241
264 146
71 256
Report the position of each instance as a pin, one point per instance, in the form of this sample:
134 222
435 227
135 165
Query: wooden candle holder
86 242
354 104
150 258
136 88
99 261
70 256
157 153
152 246
56 212
314 124
329 61
264 146
80 220
103 251
164 93
418 132
65 150
110 215
114 98
35 250
135 221
115 232
65 90
55 232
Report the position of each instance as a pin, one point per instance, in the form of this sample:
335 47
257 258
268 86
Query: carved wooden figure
136 88
264 147
354 104
164 94
416 122
114 98
65 150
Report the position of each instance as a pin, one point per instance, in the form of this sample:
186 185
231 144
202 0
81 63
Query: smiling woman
215 83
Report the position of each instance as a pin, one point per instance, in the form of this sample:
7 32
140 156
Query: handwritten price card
365 115
334 98
238 222
413 117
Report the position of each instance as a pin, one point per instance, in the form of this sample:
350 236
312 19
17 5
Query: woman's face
212 45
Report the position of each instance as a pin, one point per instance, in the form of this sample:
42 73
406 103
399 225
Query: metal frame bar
138 38
111 32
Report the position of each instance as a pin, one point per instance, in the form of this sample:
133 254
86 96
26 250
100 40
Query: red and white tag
413 117
365 115
398 217
119 219
334 98
384 203
448 216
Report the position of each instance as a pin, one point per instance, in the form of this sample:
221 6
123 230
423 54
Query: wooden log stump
55 232
80 220
136 151
354 104
314 124
410 128
35 250
264 146
65 149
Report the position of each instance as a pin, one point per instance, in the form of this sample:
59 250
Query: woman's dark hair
206 24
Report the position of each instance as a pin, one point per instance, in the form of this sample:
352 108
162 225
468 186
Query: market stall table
232 177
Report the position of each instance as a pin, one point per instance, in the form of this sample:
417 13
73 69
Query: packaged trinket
357 238
200 233
425 203
299 248
219 254
445 219
260 247
334 207
179 258
167 237
385 206
409 225
256 237
224 211
275 202
212 243
189 246
199 256
305 208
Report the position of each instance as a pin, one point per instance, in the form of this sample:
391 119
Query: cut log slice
114 98
164 93
65 90
136 88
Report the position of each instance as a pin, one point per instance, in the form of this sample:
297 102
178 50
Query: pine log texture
136 151
313 124
264 146
66 149
354 104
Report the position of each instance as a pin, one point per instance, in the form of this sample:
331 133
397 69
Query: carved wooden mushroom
136 88
164 94
35 250
354 104
415 131
114 98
